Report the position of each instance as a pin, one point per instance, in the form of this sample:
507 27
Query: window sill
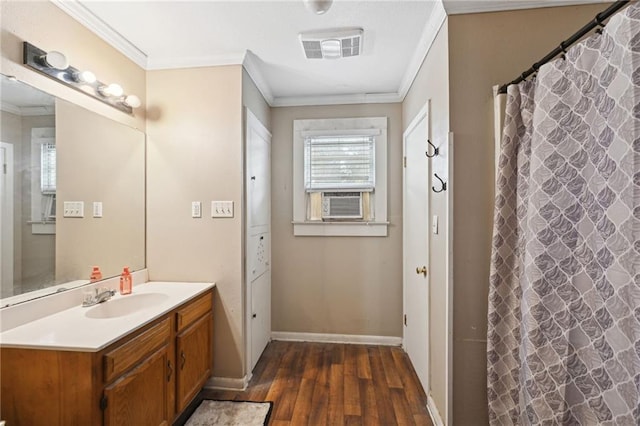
340 229
43 228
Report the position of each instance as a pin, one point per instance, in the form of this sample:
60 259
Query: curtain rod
598 21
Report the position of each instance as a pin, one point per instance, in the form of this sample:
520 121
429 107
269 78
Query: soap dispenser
96 275
125 281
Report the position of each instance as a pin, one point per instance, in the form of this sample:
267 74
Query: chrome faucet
101 295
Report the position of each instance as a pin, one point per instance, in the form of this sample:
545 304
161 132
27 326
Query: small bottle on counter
126 284
96 275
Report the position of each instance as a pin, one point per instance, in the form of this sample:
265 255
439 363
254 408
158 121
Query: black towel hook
564 51
436 150
443 183
599 23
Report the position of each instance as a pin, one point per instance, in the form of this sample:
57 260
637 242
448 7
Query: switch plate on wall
73 209
196 209
222 209
97 209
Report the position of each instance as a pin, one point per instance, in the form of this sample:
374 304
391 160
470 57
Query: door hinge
404 162
103 403
4 168
405 319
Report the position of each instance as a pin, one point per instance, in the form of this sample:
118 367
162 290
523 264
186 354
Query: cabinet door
140 397
193 360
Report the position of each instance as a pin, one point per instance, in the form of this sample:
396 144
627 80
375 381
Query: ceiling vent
332 44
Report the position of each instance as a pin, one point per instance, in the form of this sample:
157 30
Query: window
340 177
43 181
336 163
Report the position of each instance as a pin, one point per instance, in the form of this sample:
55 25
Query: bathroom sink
125 305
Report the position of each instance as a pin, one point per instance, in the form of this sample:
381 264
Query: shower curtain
564 297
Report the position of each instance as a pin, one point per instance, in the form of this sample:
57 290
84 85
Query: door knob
422 271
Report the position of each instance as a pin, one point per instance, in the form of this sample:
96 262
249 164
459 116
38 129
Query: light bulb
132 100
84 77
331 49
318 6
111 90
55 60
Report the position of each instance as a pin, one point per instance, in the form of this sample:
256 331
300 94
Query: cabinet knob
254 315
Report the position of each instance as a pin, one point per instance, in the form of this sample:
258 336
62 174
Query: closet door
258 244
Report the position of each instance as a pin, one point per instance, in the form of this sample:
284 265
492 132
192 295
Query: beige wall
46 26
484 50
430 85
195 153
93 150
339 285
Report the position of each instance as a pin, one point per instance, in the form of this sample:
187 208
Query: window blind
339 163
48 168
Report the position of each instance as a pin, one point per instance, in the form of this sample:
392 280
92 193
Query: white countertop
73 330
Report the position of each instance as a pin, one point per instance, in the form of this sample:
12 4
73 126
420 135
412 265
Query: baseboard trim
433 412
228 383
336 338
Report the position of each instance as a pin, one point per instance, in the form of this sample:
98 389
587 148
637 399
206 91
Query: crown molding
252 67
428 36
456 7
85 17
365 98
30 111
10 108
196 61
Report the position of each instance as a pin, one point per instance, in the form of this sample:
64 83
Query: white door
416 246
258 244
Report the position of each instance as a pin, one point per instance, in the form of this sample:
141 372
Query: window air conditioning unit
342 205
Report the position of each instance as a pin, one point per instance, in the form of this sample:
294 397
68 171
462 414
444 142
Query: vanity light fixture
56 66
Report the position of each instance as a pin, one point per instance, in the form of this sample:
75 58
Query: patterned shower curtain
564 298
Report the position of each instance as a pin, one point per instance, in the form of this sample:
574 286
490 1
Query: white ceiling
263 35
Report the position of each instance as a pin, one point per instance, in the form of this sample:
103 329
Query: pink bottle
126 283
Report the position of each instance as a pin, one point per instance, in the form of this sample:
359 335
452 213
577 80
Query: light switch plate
196 209
222 209
97 209
73 209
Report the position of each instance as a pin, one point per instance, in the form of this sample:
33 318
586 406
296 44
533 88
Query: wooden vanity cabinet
140 374
140 397
146 378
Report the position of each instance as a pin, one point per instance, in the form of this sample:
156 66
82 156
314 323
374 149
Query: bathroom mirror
72 194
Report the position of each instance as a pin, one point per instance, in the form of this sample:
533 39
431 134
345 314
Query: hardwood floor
335 384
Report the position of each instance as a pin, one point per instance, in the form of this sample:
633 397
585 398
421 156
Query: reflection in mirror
53 153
